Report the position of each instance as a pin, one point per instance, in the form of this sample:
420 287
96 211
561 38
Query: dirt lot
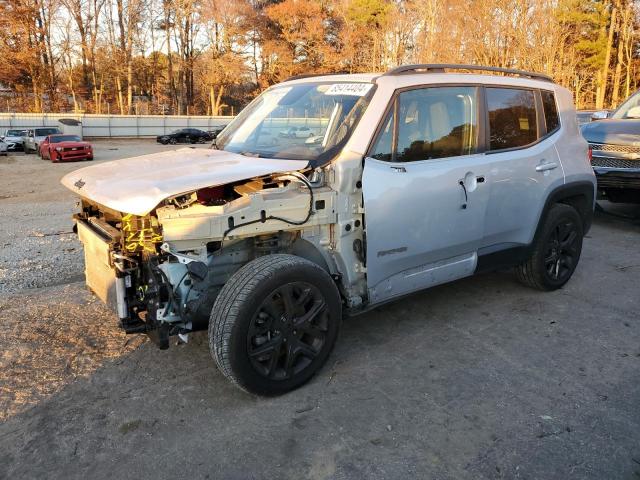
482 378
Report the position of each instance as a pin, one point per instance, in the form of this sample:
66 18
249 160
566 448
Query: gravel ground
38 248
479 379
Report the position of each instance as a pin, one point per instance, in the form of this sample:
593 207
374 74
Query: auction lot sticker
354 89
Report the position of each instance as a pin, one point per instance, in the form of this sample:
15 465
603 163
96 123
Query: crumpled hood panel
137 185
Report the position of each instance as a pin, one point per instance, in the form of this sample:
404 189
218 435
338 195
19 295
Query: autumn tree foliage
212 56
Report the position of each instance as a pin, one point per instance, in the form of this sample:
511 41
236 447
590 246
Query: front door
425 192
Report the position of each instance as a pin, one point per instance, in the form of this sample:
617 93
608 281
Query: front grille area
618 181
73 149
605 147
609 162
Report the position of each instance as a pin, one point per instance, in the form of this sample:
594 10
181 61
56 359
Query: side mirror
600 115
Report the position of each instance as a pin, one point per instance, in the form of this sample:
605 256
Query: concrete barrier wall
113 125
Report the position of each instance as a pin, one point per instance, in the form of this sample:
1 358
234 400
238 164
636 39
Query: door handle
543 166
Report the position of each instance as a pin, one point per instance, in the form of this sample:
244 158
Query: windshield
43 132
310 121
16 133
629 109
65 138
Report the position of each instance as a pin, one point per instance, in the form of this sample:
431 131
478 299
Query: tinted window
512 118
65 138
43 132
432 123
550 110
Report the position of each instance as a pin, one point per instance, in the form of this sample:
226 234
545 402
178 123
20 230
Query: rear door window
551 117
512 117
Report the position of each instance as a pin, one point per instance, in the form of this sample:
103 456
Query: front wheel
274 324
556 250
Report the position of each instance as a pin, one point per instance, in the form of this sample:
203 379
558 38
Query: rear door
424 190
524 166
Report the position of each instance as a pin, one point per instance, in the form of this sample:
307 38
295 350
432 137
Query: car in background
13 137
296 132
34 136
65 148
215 131
614 143
185 135
584 116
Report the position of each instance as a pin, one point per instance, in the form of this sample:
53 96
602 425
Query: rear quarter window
551 117
512 118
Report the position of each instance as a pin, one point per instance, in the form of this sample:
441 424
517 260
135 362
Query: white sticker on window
354 89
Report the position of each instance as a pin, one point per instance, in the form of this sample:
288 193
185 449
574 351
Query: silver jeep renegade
398 182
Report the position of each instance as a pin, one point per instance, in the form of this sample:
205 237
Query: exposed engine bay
163 271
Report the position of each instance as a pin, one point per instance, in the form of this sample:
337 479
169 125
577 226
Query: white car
424 177
14 138
4 147
296 132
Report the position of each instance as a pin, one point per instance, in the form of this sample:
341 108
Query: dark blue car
615 147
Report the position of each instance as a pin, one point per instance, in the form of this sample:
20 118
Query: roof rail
440 68
309 75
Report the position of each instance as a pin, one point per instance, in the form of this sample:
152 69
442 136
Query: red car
64 148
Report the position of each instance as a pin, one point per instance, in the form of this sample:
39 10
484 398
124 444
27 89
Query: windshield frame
359 107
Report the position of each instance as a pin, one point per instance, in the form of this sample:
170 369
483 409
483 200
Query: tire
172 141
273 353
556 250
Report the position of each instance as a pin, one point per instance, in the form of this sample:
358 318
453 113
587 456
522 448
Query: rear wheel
274 324
556 251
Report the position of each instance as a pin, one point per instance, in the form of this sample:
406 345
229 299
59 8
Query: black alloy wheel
288 331
556 250
562 251
274 323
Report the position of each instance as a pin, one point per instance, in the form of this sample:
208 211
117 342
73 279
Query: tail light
590 155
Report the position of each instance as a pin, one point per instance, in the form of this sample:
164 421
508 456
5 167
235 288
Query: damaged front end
122 267
162 272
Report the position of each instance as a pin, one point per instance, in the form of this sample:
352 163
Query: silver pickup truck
34 136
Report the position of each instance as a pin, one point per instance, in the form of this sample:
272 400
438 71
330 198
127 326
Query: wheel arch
579 195
305 249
